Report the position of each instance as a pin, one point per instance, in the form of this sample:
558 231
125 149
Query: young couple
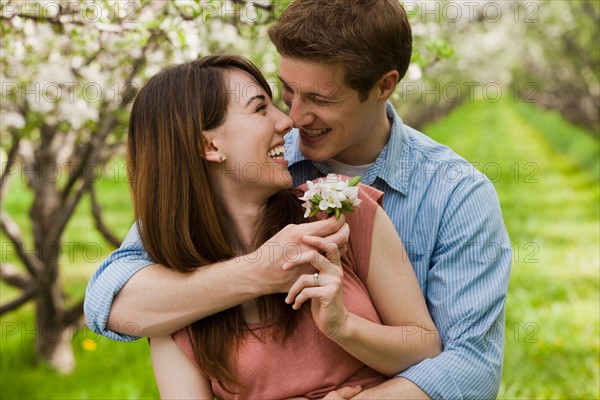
206 271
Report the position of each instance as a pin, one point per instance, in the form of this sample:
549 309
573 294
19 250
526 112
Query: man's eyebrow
309 93
283 81
258 96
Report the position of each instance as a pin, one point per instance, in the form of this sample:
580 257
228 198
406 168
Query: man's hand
394 389
288 245
344 393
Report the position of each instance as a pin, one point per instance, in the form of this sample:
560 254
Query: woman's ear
211 151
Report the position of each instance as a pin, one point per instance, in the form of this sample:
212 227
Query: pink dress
309 364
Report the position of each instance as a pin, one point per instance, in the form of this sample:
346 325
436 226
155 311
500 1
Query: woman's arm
176 375
408 334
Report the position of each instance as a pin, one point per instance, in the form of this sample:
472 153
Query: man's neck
367 149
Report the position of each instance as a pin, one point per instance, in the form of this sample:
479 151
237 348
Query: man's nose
299 113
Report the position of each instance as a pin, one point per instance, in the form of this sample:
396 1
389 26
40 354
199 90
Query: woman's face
252 137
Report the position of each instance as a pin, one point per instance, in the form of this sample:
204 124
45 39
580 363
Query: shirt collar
292 150
390 166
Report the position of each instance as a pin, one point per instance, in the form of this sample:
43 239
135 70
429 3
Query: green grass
549 195
105 369
548 187
564 137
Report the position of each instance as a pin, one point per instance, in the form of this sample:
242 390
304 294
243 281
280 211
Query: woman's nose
284 123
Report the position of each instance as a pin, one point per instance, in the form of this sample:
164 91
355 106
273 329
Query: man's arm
466 294
393 389
159 300
131 296
152 300
108 279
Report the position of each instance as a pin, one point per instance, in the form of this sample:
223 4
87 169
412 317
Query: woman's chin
283 180
285 185
289 181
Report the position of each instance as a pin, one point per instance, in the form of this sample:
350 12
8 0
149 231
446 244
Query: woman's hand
323 288
287 245
344 393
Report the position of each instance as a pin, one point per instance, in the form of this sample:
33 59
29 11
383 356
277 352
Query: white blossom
12 119
332 195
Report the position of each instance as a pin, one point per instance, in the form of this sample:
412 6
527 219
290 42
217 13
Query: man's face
332 121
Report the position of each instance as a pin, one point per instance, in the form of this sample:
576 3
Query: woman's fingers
323 244
298 293
321 293
325 227
346 392
305 281
340 237
322 263
307 257
322 287
313 286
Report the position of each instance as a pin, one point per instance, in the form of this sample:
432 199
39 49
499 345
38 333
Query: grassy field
550 205
105 369
546 174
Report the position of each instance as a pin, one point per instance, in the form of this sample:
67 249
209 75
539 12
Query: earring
222 158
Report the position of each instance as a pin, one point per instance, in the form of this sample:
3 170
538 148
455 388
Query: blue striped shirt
448 217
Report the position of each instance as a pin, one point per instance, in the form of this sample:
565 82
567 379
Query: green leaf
337 213
347 208
354 181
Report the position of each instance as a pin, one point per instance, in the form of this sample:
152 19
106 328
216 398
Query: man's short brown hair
368 37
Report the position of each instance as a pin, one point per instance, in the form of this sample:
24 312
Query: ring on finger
316 278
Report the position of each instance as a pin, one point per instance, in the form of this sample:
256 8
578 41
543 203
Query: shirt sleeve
110 277
466 294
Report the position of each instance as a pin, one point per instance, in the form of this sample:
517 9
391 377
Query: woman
209 183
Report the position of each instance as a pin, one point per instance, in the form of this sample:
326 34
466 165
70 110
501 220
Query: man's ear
211 151
387 85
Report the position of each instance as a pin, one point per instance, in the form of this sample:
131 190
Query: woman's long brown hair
179 216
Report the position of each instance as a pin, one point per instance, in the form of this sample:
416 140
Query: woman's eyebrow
258 96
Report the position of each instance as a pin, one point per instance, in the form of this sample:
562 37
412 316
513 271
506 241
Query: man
340 61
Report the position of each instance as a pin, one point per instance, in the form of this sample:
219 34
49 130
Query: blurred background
512 86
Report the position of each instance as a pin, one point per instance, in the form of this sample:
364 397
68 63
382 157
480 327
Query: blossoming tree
70 70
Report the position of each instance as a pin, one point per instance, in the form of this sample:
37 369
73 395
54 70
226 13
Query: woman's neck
242 211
